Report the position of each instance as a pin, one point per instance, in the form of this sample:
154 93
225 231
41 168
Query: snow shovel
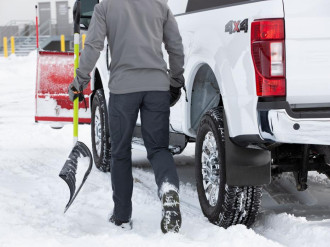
80 152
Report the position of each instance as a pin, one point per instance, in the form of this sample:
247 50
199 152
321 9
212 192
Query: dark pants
154 109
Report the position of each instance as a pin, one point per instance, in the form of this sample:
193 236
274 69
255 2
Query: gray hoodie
135 30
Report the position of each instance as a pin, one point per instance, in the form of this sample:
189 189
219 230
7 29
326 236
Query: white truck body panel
229 56
307 51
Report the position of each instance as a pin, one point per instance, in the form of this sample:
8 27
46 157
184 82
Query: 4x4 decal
237 26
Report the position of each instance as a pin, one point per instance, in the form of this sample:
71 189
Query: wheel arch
97 80
96 83
205 94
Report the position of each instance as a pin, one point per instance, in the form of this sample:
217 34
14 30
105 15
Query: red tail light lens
268 53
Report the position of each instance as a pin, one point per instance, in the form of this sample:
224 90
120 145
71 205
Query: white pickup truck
258 88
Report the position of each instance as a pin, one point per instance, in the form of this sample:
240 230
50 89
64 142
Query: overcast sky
25 9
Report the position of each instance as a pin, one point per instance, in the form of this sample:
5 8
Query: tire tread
103 162
240 204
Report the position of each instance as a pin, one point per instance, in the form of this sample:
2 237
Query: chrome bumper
276 125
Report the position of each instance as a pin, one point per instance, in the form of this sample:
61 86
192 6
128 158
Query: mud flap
246 166
80 162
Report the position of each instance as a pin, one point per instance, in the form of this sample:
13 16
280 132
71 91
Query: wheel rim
210 169
98 131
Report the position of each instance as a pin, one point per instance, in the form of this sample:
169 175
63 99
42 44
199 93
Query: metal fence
24 35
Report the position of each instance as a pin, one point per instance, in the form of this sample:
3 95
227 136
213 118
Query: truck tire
222 204
100 132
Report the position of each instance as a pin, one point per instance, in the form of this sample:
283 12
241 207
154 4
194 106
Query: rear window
196 5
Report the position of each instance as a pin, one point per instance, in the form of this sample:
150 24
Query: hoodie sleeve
173 44
94 44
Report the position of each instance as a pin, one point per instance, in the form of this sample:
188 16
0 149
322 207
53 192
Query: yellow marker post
83 38
5 47
12 41
62 43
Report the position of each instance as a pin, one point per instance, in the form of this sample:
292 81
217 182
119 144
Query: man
139 81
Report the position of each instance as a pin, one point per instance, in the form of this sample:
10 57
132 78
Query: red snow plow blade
54 74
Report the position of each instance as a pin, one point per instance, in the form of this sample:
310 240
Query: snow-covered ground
32 196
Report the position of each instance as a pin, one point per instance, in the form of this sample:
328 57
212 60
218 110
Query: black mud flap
80 159
246 166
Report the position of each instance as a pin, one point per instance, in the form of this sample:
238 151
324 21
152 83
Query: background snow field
33 197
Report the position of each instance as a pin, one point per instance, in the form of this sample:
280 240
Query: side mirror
86 12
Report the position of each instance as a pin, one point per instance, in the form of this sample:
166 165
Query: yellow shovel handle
76 101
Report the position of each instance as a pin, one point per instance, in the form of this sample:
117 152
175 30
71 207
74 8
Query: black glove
175 95
74 93
175 89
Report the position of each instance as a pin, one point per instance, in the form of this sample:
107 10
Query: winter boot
171 221
126 225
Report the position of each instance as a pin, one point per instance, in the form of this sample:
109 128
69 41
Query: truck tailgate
307 51
54 74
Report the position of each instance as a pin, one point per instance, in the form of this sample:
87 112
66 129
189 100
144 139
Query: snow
166 187
33 197
82 167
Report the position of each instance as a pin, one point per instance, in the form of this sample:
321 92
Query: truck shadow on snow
281 196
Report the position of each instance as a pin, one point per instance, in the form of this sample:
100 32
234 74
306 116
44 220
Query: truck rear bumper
285 126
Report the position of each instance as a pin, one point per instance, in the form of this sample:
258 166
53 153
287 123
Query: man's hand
175 89
175 95
74 93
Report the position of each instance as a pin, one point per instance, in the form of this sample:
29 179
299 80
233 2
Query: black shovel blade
69 170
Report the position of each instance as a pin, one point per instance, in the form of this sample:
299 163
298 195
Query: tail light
268 53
